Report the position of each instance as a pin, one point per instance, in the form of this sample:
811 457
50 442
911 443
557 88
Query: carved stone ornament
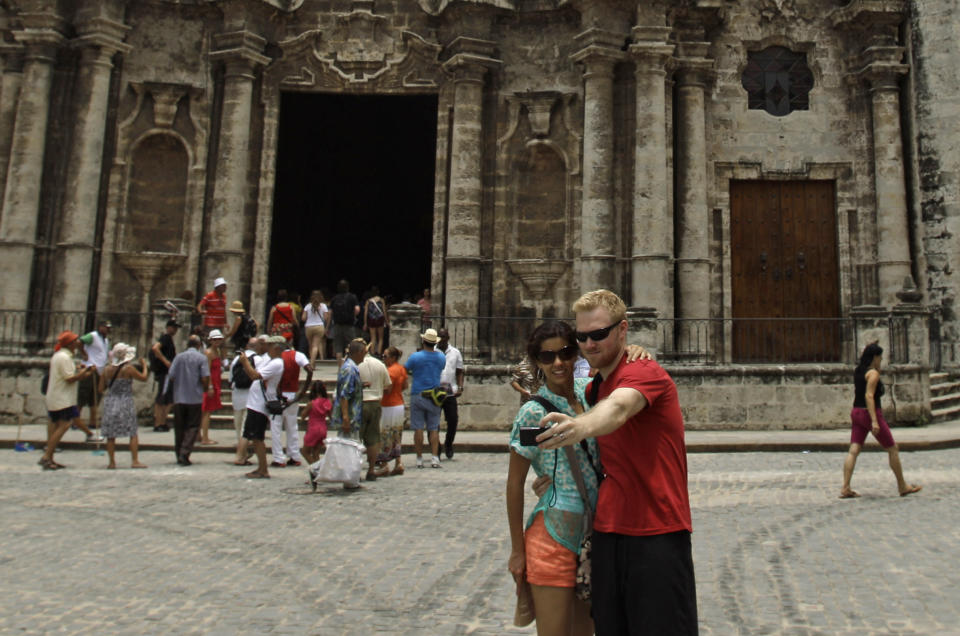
361 48
537 274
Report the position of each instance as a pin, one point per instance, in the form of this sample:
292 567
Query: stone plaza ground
201 550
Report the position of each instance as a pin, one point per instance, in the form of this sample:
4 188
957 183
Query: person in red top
642 562
290 389
213 306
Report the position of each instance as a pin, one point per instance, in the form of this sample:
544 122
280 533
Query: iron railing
697 341
35 332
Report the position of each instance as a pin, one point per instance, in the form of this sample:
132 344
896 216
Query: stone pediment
361 48
436 7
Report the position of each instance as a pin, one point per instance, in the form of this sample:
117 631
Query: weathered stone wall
20 391
935 30
732 398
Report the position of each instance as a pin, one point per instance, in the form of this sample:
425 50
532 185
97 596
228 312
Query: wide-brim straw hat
237 307
430 336
122 352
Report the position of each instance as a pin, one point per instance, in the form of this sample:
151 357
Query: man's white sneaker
435 462
419 462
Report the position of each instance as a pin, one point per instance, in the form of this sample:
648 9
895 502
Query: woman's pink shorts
548 562
861 427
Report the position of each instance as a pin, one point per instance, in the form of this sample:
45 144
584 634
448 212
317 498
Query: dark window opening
354 194
777 80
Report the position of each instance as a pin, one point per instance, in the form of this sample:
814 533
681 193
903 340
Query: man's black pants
643 585
452 418
186 426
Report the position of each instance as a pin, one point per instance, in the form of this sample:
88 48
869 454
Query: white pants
286 422
239 399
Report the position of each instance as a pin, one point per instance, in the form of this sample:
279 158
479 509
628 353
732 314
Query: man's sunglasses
597 334
566 353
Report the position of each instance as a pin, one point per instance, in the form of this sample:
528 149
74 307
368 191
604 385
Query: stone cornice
472 47
102 33
691 64
41 34
243 46
868 14
882 67
650 47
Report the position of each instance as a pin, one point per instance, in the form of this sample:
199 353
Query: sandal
398 470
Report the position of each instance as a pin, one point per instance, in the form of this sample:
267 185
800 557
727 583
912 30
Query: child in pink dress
318 410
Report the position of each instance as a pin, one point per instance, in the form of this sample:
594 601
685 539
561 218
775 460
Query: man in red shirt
642 563
213 307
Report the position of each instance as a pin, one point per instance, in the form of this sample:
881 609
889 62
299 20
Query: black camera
528 434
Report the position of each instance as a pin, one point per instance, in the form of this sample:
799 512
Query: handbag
342 463
525 613
437 395
274 407
582 584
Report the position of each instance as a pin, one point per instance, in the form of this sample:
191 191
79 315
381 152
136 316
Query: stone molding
239 49
42 35
651 49
104 35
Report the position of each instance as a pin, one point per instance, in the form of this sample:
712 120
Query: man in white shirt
238 393
61 395
290 388
376 384
266 379
96 344
452 380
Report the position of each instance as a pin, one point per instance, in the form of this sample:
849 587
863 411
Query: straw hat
430 336
121 353
237 307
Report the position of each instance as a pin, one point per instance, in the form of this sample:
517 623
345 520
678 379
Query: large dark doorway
354 193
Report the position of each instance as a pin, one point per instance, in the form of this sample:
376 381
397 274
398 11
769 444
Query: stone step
944 388
945 401
939 376
945 414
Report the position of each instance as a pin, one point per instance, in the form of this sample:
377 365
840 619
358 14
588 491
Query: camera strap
549 407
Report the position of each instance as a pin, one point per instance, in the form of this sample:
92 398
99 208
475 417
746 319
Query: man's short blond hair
602 298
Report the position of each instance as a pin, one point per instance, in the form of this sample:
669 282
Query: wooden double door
785 283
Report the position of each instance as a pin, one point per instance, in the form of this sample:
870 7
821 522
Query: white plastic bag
342 463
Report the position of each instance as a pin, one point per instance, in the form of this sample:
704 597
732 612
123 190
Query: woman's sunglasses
566 353
597 334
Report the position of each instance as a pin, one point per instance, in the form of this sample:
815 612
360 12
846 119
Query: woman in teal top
544 550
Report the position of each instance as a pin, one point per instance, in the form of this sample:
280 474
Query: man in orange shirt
213 307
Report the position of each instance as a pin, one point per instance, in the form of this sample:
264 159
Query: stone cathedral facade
707 159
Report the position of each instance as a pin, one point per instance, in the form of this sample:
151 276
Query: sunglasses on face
566 353
597 334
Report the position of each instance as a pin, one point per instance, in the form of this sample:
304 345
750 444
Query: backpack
342 309
238 375
374 312
246 330
156 366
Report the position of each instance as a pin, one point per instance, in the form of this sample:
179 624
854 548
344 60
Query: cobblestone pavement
202 550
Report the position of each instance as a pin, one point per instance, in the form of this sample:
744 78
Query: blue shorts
64 415
424 414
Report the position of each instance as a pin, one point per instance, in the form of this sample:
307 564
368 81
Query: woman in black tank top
867 417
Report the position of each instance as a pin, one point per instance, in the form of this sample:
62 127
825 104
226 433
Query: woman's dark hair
870 352
547 330
281 295
318 389
393 352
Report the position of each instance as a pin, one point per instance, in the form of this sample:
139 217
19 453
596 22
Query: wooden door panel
784 265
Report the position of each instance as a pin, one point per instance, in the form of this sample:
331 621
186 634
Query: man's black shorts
255 425
163 397
87 394
643 585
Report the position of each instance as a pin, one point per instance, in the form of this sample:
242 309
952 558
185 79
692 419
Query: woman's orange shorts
548 562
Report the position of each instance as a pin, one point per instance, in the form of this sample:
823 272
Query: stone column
893 238
99 40
405 324
241 53
41 37
600 53
463 259
652 245
693 264
9 94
